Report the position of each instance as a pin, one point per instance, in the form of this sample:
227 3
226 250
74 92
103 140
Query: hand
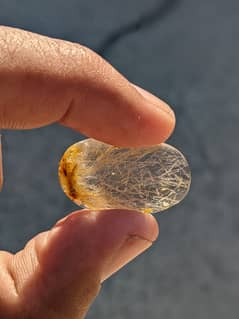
42 81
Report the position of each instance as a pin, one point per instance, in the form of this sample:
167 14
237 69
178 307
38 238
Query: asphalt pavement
186 52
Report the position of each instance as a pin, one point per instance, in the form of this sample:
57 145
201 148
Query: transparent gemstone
100 176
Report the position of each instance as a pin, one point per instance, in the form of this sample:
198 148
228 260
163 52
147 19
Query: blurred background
186 52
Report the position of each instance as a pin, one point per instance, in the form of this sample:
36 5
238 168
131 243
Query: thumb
59 273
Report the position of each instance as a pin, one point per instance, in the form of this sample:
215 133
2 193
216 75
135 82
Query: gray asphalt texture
186 52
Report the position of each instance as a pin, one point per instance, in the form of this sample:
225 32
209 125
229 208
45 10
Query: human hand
42 81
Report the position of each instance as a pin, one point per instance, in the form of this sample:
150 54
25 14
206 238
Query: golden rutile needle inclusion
100 176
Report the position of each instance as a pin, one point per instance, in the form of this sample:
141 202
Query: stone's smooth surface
100 176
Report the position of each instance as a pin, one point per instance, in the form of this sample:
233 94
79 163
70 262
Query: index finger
45 80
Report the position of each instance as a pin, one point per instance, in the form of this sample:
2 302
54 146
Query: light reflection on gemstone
100 176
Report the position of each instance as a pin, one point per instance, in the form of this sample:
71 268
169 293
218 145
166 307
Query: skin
59 272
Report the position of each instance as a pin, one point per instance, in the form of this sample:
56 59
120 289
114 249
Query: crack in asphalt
156 14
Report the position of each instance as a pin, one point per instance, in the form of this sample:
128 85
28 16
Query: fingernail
154 100
131 248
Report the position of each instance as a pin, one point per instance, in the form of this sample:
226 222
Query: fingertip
146 120
107 239
155 100
158 121
123 222
117 113
154 227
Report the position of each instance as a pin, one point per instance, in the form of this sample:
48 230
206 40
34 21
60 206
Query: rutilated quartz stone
100 176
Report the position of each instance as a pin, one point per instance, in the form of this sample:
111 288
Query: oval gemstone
101 176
